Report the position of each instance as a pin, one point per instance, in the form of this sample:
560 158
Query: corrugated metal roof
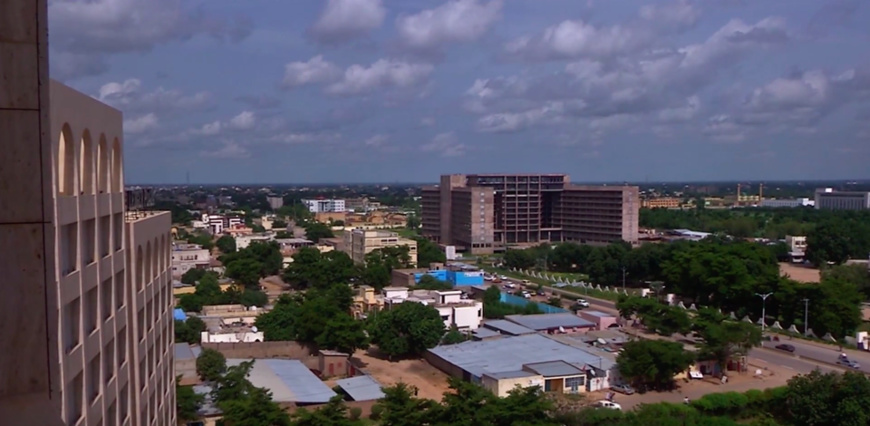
511 353
507 327
289 380
549 321
361 388
484 333
597 314
554 369
183 352
510 374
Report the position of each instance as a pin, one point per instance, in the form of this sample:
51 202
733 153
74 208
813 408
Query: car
504 277
608 404
510 285
541 293
624 389
582 303
848 363
785 347
526 282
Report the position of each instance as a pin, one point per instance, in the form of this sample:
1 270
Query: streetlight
623 278
806 314
763 308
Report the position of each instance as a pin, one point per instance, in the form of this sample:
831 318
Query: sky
321 91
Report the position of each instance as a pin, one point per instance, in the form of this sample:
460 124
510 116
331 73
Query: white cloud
382 74
344 20
294 138
456 21
576 39
810 89
447 144
512 122
427 121
211 129
140 124
315 70
679 14
682 113
377 141
244 121
128 96
722 128
230 150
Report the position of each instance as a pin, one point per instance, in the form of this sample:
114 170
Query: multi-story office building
360 242
186 256
112 276
486 213
662 203
775 203
324 206
829 199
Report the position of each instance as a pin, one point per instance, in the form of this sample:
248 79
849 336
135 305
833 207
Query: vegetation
226 244
428 253
256 261
244 404
406 329
187 402
428 282
494 308
315 231
190 330
652 364
313 269
454 336
210 365
208 292
379 265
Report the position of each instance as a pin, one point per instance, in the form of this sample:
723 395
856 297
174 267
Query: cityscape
434 212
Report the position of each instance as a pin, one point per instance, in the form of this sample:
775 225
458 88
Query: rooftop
511 353
510 374
361 388
507 327
598 314
554 369
549 321
289 380
183 352
485 333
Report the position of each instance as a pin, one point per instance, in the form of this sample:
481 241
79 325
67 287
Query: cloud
344 20
230 150
128 96
722 128
447 144
383 74
427 121
571 39
681 113
315 70
244 121
295 138
66 66
456 21
674 16
376 141
140 124
512 122
259 102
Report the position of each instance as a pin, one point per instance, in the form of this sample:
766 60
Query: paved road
796 363
827 354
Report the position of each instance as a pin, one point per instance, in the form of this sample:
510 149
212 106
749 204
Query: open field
431 382
800 273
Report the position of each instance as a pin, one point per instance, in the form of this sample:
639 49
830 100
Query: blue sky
404 90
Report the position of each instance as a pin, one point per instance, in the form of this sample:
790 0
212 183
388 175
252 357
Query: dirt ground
431 382
800 273
773 376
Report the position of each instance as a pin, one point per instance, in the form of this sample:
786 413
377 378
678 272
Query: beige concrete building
113 276
359 242
186 256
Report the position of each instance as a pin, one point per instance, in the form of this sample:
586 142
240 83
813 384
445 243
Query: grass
579 291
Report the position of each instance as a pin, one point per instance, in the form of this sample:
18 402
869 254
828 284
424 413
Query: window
106 299
65 162
124 399
88 239
122 346
105 236
119 290
573 384
141 318
68 248
95 379
87 164
109 361
91 310
72 324
112 413
117 232
74 401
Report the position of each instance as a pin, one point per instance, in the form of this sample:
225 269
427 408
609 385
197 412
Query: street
823 353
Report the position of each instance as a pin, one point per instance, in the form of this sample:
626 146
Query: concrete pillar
28 306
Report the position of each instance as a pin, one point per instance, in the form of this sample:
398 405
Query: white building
829 199
217 223
324 206
186 256
787 203
465 314
243 241
247 336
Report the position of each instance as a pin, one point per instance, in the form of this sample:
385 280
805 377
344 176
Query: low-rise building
552 323
464 314
243 241
775 203
186 256
457 274
233 335
829 199
358 243
661 203
602 320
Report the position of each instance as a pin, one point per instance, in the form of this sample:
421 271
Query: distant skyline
342 91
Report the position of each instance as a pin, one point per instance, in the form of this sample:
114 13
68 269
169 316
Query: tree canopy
406 329
311 268
653 363
210 365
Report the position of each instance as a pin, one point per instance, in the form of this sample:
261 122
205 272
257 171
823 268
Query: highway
825 354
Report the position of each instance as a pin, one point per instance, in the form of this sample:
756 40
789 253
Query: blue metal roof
289 380
483 333
554 369
361 388
179 314
507 327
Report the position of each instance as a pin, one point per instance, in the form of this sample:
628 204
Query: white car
608 404
510 285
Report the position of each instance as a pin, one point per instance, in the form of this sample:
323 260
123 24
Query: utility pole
763 308
806 315
623 277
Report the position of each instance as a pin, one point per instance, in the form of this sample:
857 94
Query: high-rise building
829 199
324 206
489 212
113 276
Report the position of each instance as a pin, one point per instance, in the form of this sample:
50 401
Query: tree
654 315
279 324
830 241
208 289
407 329
210 365
192 276
343 334
226 244
315 231
311 268
187 402
428 253
190 303
856 274
400 407
254 298
653 363
234 385
454 336
817 399
334 413
246 271
724 339
555 301
836 307
256 408
189 331
428 282
520 259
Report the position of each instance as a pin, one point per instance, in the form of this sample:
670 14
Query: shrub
377 411
355 413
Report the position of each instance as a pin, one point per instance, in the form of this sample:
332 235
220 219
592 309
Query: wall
519 301
457 278
468 317
504 386
601 323
289 350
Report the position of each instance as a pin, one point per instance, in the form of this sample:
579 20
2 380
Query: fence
511 299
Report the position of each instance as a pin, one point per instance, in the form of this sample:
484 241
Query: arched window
65 164
117 167
86 167
103 166
140 266
149 268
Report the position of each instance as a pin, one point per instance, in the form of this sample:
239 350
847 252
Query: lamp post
763 308
806 314
623 278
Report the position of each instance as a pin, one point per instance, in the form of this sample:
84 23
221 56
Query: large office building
112 275
324 206
830 199
360 242
489 212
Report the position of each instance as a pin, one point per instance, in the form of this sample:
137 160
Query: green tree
653 363
279 324
210 365
657 317
406 329
428 253
428 282
831 241
189 331
856 274
192 276
226 244
520 259
344 334
254 298
208 289
725 339
400 407
555 301
454 336
234 385
817 399
246 271
255 409
836 307
334 413
315 231
190 302
187 402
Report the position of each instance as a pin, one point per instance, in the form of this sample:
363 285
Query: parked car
785 347
526 282
848 363
582 303
608 404
625 389
510 285
526 295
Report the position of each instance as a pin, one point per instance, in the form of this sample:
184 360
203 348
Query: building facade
360 242
787 203
104 333
186 256
486 213
275 202
324 206
662 203
829 199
